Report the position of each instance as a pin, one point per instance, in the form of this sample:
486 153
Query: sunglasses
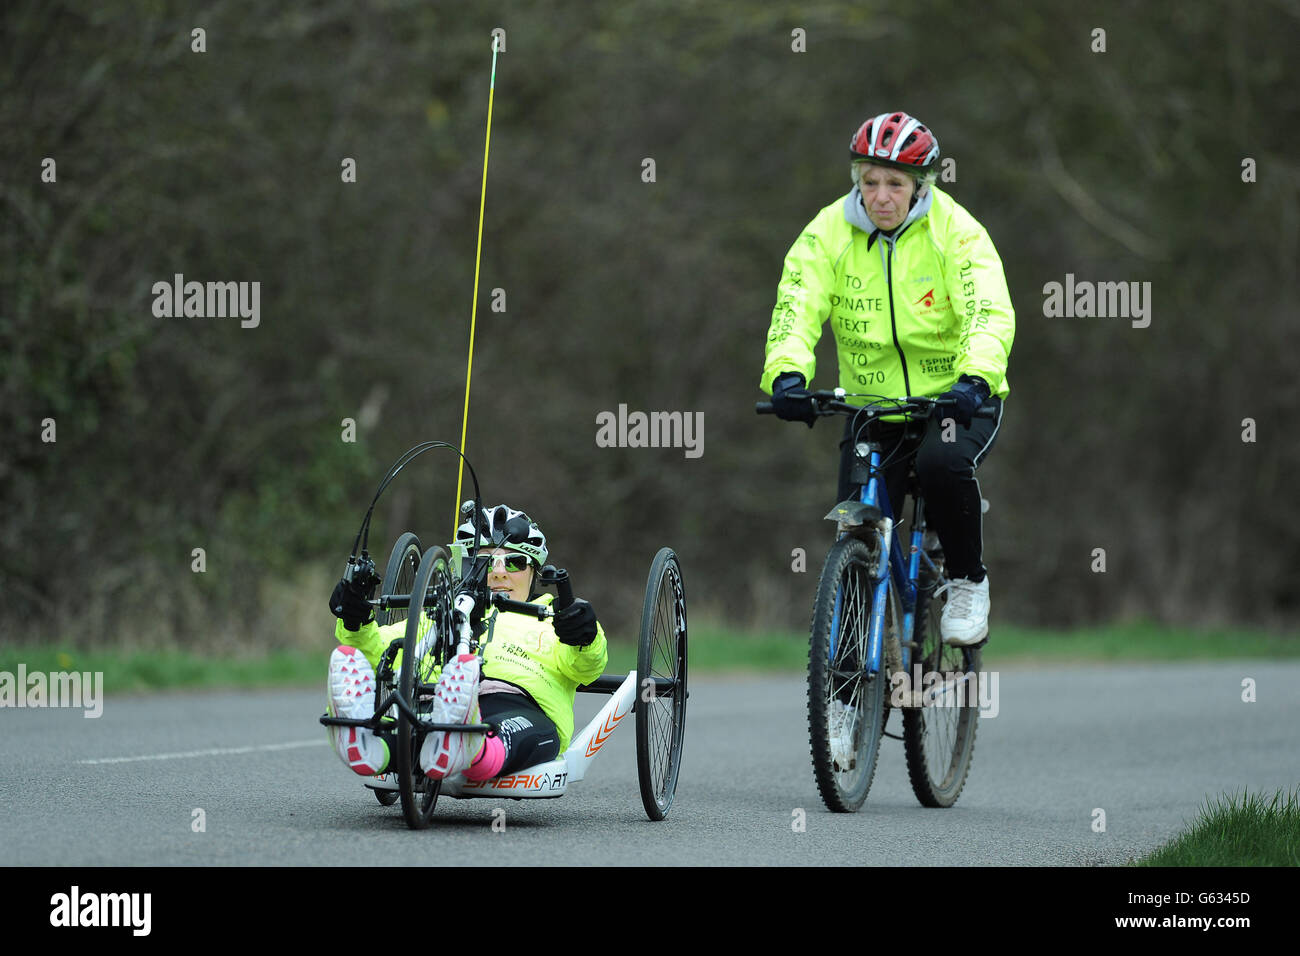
509 562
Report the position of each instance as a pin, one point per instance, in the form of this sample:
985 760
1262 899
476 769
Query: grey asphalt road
1145 744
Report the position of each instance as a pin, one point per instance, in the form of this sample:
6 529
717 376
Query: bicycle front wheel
939 735
426 647
399 578
846 706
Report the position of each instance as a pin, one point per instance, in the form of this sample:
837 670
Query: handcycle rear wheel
425 649
939 737
661 713
399 577
840 692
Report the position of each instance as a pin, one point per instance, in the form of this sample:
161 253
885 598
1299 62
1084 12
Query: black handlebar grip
563 587
563 590
538 611
764 408
942 410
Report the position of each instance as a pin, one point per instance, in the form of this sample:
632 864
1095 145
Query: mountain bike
875 644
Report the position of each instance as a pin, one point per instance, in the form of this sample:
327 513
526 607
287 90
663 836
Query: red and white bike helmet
896 140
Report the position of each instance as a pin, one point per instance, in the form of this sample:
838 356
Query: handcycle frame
937 769
662 647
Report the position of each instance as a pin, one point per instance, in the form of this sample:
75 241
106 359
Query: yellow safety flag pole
473 315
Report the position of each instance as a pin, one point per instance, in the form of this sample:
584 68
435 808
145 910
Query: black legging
528 734
946 471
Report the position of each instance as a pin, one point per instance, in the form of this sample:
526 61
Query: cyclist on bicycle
919 306
530 668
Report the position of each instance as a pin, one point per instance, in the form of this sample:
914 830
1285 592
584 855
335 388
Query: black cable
362 540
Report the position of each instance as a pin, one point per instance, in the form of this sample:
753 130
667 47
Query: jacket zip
893 325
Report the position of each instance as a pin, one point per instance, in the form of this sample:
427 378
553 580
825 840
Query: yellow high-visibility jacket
910 313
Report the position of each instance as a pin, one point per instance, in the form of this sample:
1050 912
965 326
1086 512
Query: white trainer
455 701
840 724
352 694
965 619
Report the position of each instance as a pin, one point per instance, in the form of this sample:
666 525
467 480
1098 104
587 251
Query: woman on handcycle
530 668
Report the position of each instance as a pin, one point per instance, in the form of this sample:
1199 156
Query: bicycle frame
552 779
892 566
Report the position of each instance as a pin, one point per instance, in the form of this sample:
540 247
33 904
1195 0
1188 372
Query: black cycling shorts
528 734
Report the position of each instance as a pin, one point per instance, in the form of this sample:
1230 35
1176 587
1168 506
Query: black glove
576 624
964 398
350 604
790 399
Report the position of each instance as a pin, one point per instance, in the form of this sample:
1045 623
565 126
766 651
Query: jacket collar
855 213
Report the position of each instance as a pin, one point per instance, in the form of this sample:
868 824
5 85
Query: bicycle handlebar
539 611
831 402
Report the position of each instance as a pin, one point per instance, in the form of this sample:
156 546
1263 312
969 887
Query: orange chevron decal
603 734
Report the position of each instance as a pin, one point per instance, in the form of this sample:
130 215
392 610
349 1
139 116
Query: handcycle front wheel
661 685
399 578
846 705
939 736
425 648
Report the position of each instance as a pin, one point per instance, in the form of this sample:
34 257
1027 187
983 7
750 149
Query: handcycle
875 622
442 595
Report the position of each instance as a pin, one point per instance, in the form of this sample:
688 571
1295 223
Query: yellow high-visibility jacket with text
910 313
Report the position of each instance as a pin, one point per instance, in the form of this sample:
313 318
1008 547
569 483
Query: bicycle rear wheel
425 649
939 736
399 578
661 714
846 707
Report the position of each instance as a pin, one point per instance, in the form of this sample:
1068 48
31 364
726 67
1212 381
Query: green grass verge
712 650
1139 641
1250 830
139 670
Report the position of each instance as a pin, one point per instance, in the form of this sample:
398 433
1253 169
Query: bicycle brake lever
361 571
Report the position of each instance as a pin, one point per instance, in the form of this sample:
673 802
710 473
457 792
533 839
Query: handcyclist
530 668
919 305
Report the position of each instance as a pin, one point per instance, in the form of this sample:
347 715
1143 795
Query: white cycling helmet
503 527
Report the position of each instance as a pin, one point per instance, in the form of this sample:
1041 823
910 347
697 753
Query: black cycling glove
576 624
790 399
964 398
350 605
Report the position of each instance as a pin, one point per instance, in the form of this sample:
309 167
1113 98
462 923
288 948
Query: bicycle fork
879 577
890 563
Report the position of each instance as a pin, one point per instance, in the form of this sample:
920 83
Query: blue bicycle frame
874 493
